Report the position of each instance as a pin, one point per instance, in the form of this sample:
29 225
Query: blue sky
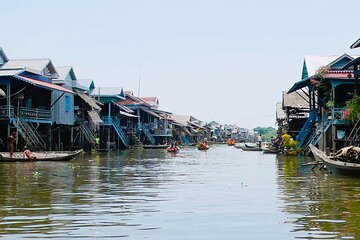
226 61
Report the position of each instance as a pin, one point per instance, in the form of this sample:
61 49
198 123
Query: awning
123 108
89 100
42 84
300 84
94 117
151 113
128 114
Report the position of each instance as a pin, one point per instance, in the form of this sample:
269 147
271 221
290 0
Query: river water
223 193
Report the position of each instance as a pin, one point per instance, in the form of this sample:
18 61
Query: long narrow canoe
248 147
340 166
164 146
40 156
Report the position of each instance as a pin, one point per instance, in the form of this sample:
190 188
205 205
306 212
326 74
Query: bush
353 108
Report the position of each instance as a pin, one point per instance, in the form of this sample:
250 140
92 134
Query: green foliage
353 109
266 132
290 145
323 86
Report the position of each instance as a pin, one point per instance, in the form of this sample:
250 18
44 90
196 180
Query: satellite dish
2 93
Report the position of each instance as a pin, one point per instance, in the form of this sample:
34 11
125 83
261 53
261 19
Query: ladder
87 131
148 135
115 122
28 133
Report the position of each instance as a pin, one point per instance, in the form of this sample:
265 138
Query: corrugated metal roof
153 101
151 113
43 84
122 107
63 71
128 114
84 84
295 100
184 119
89 100
313 63
38 65
4 73
108 92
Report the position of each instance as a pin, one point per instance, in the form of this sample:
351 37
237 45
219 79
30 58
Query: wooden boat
338 166
248 146
172 149
40 156
156 146
267 149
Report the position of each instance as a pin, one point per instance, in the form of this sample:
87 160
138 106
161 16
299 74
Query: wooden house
27 107
327 92
153 126
190 130
295 106
113 132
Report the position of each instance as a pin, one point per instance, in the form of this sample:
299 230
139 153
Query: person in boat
28 154
10 141
259 140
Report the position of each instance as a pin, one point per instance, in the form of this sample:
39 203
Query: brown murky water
223 193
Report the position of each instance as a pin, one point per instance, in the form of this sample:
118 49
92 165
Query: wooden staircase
353 139
29 134
147 133
88 133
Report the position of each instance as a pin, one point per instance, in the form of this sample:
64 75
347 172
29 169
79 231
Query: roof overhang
355 44
300 84
128 114
42 84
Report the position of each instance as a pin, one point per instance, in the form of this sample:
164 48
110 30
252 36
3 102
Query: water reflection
223 193
321 205
66 199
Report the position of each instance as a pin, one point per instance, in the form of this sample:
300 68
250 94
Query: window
67 103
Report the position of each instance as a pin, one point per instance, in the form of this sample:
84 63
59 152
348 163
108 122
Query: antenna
140 66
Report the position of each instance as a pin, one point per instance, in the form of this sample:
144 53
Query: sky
225 60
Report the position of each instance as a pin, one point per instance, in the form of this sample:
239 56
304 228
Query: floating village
49 110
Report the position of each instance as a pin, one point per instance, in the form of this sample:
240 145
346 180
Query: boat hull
40 156
244 147
335 165
156 146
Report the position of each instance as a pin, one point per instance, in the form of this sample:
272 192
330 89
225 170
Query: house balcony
26 114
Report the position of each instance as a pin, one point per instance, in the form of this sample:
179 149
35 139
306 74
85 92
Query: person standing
259 139
10 141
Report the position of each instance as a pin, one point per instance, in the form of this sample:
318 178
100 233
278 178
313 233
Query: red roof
128 102
43 84
340 74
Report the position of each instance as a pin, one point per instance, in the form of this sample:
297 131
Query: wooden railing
29 113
